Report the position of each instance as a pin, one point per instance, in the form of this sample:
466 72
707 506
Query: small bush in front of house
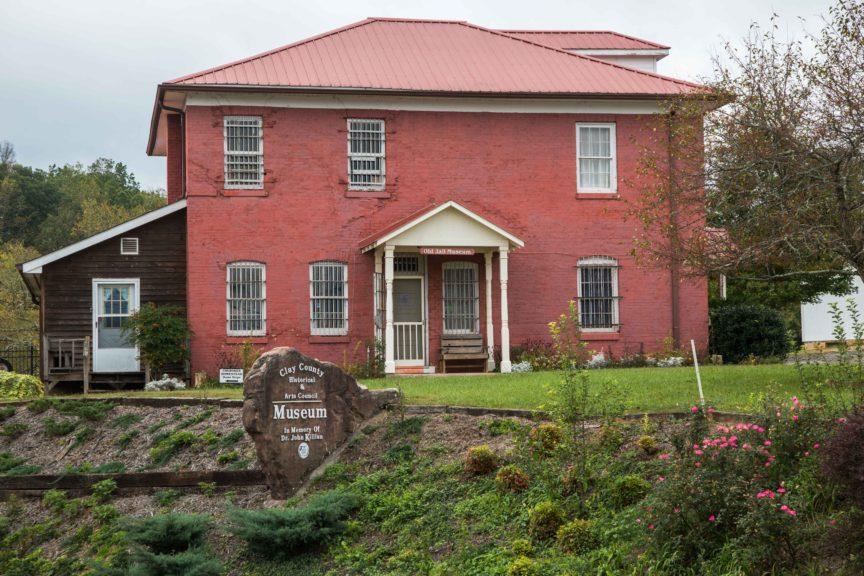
547 436
14 386
481 460
628 490
576 537
740 331
58 428
165 384
161 335
280 533
512 479
842 457
544 520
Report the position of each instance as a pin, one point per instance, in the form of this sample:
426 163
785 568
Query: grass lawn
728 388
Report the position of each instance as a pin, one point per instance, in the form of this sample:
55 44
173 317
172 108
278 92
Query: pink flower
767 443
694 409
816 446
677 510
698 464
698 452
807 453
661 478
711 518
650 526
664 456
746 446
784 507
711 410
832 522
841 420
781 490
795 418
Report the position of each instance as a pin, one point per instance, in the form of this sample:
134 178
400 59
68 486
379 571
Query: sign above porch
439 251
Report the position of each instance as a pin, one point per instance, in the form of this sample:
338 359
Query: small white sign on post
231 376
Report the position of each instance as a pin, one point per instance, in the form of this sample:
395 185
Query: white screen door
409 326
113 302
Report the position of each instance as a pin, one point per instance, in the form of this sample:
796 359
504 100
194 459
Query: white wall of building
816 323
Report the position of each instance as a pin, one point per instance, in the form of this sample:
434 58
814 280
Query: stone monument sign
298 411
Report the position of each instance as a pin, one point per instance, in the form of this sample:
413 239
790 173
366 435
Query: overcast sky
78 77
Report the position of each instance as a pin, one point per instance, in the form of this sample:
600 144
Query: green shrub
544 520
105 513
227 457
24 470
647 444
522 547
610 436
408 427
547 436
523 566
196 419
125 421
400 453
166 447
629 490
512 479
232 438
739 331
168 533
102 490
8 461
6 412
481 460
84 434
113 467
576 537
59 427
126 438
55 500
13 429
167 497
92 410
188 563
842 458
161 335
40 405
207 488
14 386
281 533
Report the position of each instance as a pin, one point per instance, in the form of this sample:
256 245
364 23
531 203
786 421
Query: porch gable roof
429 214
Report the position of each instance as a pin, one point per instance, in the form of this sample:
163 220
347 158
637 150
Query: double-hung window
366 154
598 294
328 292
596 159
246 299
244 152
461 298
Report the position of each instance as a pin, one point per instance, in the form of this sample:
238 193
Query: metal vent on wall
129 246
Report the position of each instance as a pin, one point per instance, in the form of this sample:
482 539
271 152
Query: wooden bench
463 353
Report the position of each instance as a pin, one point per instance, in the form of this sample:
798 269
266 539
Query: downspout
182 114
674 272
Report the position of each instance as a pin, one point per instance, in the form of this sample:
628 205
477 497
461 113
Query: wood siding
67 298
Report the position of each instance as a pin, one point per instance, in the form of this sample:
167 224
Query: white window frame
599 262
382 155
126 252
613 150
227 154
328 331
475 297
262 331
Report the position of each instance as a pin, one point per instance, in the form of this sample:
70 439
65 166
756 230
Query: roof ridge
586 57
615 32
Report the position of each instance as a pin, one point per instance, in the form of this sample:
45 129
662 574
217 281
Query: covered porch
434 291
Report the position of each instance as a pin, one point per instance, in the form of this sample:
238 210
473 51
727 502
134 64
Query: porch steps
410 370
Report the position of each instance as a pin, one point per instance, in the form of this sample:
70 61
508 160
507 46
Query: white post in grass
698 376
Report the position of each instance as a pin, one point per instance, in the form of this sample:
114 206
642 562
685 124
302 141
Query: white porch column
389 362
490 329
505 321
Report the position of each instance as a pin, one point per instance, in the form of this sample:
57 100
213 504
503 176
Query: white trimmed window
366 154
328 298
244 152
598 294
461 298
246 298
596 158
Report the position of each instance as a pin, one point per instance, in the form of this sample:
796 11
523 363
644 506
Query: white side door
114 300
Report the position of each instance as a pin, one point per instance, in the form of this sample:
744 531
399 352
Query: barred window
598 294
247 299
328 290
596 165
244 152
461 298
366 154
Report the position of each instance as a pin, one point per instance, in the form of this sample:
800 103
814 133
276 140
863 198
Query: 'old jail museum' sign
298 411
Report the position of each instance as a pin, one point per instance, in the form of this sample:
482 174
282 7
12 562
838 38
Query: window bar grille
366 158
598 297
461 298
246 299
244 152
329 298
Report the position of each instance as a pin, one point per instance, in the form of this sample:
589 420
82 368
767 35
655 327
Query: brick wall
518 170
174 163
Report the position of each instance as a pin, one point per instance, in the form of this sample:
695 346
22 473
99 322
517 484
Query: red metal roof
433 56
585 39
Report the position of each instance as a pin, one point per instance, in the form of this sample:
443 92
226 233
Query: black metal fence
21 358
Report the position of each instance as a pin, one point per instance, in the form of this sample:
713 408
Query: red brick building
438 186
